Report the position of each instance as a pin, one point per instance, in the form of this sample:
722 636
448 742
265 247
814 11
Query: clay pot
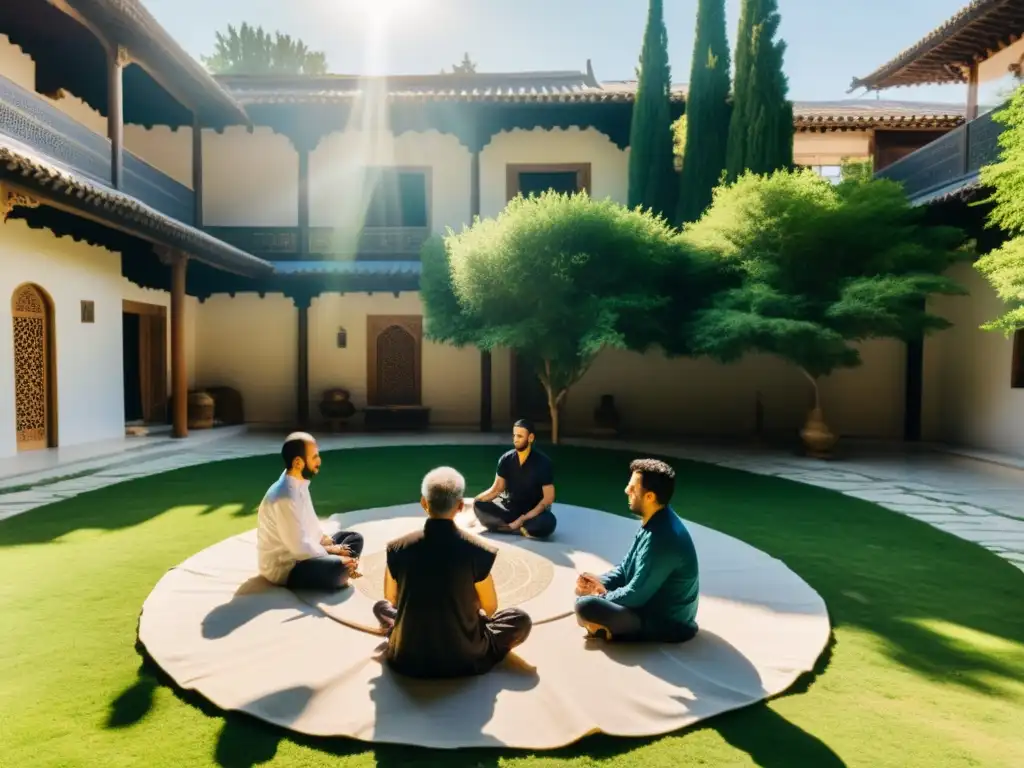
200 410
336 407
817 437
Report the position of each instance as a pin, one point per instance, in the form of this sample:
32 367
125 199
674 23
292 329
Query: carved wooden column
117 60
178 263
197 172
485 355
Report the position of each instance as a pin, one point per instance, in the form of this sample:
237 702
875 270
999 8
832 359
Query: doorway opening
144 340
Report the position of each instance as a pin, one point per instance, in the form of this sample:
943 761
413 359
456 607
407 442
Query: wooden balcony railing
953 158
282 243
30 119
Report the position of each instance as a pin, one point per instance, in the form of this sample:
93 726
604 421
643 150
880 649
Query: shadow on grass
244 741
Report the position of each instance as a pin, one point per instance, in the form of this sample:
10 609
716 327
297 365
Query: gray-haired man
440 610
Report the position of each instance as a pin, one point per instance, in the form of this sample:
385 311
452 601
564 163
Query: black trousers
327 572
508 628
623 623
496 515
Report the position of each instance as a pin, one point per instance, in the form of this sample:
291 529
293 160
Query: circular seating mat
302 661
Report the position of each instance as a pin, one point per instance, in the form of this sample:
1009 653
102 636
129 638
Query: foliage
652 182
252 51
679 141
819 267
708 110
761 128
557 278
1004 266
856 169
465 67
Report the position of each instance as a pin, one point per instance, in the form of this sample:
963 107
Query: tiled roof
346 267
974 33
59 181
868 113
515 87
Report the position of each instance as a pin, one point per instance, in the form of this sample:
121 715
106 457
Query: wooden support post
117 59
972 92
302 303
179 373
486 387
197 172
303 202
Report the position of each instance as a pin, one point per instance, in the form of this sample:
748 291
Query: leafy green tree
652 182
707 110
465 67
761 128
556 278
818 268
856 169
250 50
1004 266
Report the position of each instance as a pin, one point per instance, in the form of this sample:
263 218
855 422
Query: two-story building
965 385
165 231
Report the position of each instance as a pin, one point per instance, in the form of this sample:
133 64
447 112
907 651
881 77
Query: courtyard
924 664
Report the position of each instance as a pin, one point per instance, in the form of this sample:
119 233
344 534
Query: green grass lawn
926 668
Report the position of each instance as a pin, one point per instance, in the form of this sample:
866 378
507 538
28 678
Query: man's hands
589 584
344 552
352 564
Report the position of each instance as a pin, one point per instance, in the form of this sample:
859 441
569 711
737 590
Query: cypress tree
651 171
707 112
761 127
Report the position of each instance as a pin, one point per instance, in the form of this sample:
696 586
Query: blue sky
829 41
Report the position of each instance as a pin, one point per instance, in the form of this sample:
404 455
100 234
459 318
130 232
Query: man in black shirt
440 610
524 489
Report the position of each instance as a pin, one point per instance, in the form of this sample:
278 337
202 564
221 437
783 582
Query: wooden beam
197 171
117 59
179 374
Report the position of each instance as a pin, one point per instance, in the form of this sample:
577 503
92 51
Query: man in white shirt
292 548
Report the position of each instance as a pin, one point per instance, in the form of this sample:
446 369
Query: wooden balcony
370 243
30 119
949 163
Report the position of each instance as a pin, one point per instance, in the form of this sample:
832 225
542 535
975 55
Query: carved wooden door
31 360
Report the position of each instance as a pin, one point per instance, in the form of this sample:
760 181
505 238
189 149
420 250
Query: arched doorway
33 368
393 364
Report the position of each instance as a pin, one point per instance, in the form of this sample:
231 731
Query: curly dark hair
657 477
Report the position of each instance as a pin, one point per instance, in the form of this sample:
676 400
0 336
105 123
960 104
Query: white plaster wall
968 399
250 344
249 179
609 172
450 377
830 148
339 194
699 397
90 390
16 65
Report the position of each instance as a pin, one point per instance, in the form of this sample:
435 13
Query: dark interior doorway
132 367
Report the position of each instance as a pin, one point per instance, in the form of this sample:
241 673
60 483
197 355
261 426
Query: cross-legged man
292 548
523 491
440 610
653 593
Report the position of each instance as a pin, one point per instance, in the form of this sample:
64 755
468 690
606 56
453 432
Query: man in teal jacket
653 593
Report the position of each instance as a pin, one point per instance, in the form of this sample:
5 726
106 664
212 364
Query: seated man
525 481
652 594
293 550
441 610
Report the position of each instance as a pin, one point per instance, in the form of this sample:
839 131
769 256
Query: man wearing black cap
523 491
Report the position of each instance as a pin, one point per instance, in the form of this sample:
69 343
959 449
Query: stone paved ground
975 500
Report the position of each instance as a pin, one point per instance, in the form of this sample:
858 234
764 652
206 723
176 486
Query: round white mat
216 628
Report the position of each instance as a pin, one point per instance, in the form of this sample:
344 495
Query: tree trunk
814 383
554 409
